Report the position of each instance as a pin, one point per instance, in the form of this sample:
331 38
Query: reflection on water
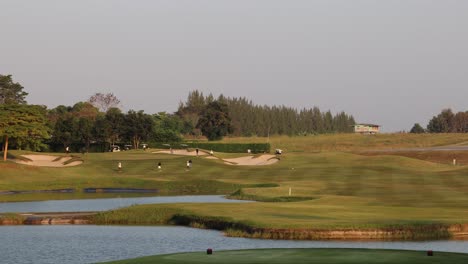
88 205
88 244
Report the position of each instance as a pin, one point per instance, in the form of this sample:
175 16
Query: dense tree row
100 122
449 122
249 119
97 121
445 122
83 123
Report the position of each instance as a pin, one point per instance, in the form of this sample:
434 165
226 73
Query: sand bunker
253 161
182 152
242 161
48 161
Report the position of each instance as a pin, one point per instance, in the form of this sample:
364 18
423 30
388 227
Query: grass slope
323 256
355 142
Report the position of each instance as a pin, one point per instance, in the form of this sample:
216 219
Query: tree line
20 124
100 121
445 122
249 119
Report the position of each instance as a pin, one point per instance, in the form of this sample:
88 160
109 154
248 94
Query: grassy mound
241 195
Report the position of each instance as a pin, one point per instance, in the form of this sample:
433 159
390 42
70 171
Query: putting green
297 256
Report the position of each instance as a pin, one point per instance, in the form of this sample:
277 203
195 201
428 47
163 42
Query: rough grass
442 157
354 142
323 256
137 215
11 218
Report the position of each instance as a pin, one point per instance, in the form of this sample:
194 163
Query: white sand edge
47 161
261 160
181 152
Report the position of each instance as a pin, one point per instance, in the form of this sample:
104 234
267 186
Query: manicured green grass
349 191
100 170
297 256
329 189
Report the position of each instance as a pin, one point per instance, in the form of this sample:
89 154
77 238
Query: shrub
233 147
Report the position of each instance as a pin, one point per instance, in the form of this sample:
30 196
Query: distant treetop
104 101
11 92
449 122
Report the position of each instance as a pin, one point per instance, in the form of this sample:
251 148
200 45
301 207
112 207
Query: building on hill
366 129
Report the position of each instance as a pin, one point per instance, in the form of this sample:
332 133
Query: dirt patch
81 218
71 218
404 233
119 190
38 191
48 161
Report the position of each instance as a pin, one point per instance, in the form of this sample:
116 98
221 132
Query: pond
93 205
89 244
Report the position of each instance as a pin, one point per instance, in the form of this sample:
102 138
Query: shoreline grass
11 219
182 216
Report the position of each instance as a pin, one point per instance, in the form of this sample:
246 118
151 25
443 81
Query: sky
393 63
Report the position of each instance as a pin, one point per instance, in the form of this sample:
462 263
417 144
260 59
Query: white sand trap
253 161
242 161
47 161
181 152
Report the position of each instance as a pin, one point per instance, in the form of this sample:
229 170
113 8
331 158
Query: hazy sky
390 62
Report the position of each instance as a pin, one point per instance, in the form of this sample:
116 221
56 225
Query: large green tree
442 123
84 115
115 125
73 124
167 128
23 123
138 127
215 122
61 122
11 92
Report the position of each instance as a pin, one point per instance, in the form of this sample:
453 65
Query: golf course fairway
297 256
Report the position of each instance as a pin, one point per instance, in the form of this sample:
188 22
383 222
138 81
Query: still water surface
88 205
88 244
